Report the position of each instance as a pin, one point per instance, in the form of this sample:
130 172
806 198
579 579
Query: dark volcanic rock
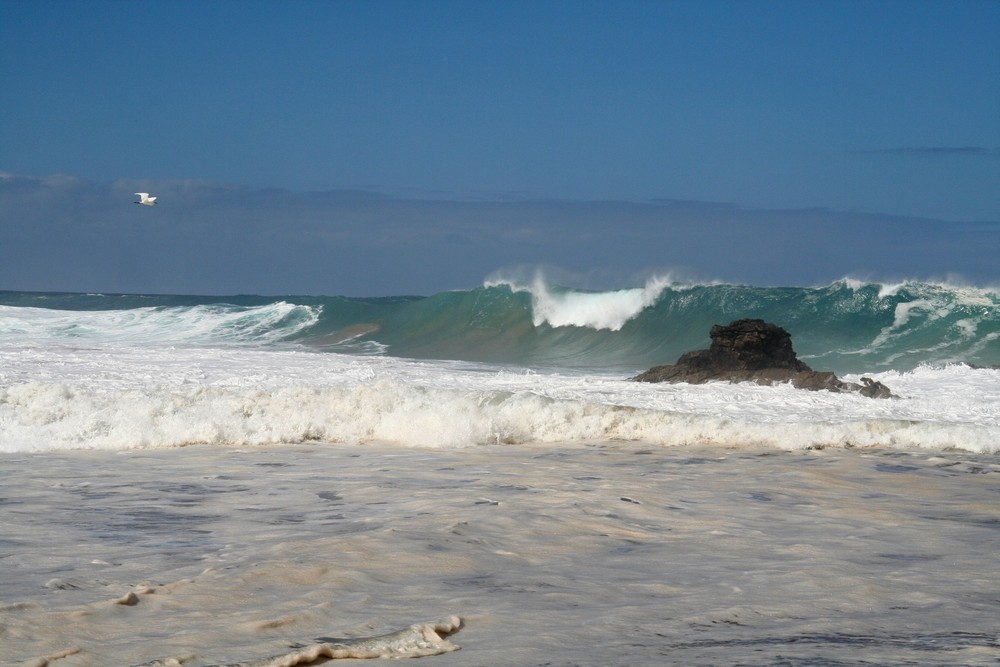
754 351
745 345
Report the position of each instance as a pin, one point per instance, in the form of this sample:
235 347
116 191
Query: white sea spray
119 398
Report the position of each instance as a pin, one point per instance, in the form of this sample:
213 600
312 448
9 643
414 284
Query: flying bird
145 199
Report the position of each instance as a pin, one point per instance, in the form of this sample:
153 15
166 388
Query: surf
126 398
848 326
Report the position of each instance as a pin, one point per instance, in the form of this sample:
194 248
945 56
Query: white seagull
145 199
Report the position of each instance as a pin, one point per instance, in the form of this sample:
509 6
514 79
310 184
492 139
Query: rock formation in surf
754 351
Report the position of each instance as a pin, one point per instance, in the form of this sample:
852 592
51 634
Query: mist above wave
597 310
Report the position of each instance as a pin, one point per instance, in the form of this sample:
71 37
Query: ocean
238 480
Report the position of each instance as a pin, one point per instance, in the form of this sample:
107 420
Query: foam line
417 641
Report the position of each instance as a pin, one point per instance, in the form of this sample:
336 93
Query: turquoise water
847 326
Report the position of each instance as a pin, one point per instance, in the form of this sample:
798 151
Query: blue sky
874 112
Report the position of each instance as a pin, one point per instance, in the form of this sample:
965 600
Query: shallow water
551 554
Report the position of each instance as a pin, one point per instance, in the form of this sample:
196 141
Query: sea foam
131 398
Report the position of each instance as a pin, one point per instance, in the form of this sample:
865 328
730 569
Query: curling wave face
846 327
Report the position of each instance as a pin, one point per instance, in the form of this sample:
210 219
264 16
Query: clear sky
880 109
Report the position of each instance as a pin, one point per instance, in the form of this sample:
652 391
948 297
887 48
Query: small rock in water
130 599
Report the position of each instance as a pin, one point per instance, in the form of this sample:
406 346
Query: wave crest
594 310
213 324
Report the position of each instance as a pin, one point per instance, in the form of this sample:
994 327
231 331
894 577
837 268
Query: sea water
219 481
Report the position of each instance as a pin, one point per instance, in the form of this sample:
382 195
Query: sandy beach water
604 554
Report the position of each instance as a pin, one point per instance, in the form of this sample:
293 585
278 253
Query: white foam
962 293
596 310
911 330
119 397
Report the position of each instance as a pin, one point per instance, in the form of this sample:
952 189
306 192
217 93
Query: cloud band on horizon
935 151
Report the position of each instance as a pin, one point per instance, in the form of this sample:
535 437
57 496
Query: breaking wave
848 326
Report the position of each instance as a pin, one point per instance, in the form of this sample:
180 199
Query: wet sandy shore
596 555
